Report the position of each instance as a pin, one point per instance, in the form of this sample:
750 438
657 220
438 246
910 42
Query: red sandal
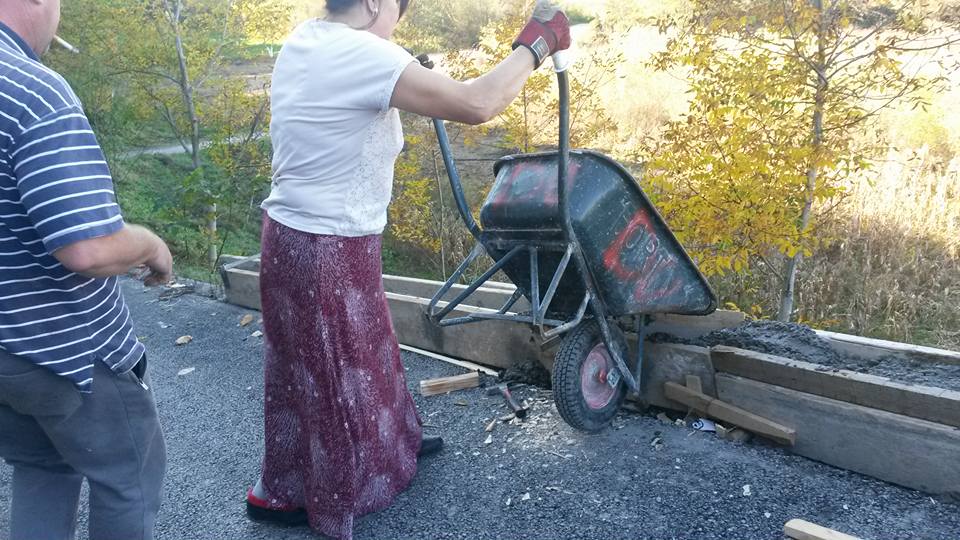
260 510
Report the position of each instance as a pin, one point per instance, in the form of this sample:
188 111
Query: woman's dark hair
339 6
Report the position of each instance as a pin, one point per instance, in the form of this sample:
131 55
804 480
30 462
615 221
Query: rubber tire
567 392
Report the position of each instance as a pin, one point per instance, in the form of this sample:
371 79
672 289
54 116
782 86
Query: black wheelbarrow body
635 261
585 246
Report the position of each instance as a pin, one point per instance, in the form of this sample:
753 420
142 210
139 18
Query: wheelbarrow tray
635 261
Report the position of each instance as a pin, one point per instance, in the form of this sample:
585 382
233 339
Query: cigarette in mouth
63 43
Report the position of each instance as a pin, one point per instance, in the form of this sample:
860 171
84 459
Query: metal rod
517 295
555 282
534 284
613 346
476 252
642 322
563 164
477 317
478 282
577 319
455 185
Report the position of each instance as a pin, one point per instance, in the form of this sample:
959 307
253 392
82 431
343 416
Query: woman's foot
260 510
430 445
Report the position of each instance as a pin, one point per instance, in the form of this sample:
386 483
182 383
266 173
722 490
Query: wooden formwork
901 433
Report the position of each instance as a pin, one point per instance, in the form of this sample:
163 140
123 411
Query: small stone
183 340
747 491
526 497
489 440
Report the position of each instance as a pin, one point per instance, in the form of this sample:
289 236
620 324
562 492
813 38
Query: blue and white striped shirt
55 190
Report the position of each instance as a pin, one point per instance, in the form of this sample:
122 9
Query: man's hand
159 266
548 32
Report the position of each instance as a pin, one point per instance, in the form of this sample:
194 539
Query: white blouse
335 137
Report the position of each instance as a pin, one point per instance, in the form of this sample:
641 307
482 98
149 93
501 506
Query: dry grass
894 270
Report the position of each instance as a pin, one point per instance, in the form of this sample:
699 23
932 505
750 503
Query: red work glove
547 32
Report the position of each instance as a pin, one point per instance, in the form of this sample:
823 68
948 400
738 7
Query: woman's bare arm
422 91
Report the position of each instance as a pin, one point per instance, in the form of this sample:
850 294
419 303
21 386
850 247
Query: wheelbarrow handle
455 184
563 162
561 61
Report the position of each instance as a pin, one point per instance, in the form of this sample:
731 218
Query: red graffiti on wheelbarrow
635 257
532 181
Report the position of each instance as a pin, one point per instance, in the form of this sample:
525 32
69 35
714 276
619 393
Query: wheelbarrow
587 249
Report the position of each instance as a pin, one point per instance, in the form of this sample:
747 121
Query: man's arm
116 254
67 190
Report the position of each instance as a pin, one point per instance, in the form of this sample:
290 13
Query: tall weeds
892 269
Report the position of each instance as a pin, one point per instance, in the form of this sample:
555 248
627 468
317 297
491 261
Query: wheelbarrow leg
614 348
477 251
643 321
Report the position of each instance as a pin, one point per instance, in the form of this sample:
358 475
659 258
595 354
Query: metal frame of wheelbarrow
572 252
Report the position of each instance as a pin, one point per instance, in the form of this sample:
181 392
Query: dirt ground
639 479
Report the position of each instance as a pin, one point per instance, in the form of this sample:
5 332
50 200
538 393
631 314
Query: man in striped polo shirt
75 400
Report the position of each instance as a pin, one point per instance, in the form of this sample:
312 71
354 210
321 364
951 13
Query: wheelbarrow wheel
583 396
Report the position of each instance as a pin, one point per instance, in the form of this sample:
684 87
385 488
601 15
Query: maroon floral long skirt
341 430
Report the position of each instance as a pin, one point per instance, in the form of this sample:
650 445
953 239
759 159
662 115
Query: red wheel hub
594 372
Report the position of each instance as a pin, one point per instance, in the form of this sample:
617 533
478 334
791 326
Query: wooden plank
671 362
934 404
895 448
460 363
432 387
500 343
494 294
879 348
242 288
694 383
693 326
715 408
489 296
490 343
799 529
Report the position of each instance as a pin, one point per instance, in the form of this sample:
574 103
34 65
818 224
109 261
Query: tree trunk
212 253
788 293
187 91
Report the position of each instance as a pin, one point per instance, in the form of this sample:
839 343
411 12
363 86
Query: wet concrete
802 343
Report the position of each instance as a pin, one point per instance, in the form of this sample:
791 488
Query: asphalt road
538 480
